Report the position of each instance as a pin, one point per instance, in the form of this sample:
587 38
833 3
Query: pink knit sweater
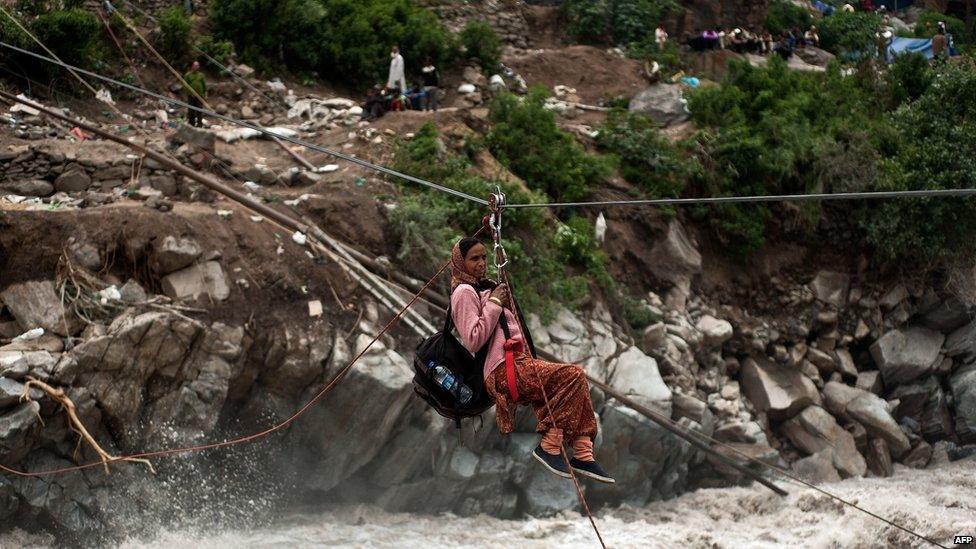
474 317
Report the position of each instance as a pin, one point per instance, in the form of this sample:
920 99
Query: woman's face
476 262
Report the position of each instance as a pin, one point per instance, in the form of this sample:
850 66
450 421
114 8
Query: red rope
254 436
562 448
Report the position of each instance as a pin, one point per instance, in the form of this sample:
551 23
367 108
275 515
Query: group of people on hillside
397 96
745 40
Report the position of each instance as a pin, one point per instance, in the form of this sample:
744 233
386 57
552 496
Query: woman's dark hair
466 244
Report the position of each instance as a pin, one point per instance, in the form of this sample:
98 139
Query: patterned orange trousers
565 386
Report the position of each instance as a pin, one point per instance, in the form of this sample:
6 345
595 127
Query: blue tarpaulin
901 45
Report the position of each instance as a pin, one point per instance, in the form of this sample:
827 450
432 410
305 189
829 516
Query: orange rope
254 436
572 474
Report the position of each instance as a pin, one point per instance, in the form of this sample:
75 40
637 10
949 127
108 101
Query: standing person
477 305
939 45
811 37
196 91
432 81
397 77
660 37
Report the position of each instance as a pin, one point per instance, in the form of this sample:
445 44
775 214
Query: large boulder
173 254
714 331
203 280
831 287
72 181
963 385
674 258
636 376
961 343
36 304
947 316
906 355
814 430
872 412
197 139
814 56
661 103
817 468
779 391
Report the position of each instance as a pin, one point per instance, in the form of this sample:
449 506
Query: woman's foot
591 469
554 462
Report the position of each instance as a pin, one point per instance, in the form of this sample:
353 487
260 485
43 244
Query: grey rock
35 304
29 187
845 364
817 469
694 409
715 332
196 138
831 287
202 281
17 428
920 456
72 181
836 397
636 375
655 335
84 253
778 390
963 386
662 103
814 430
173 254
894 297
133 292
871 411
675 258
879 458
10 392
824 362
961 343
870 381
906 355
948 316
814 56
165 184
112 173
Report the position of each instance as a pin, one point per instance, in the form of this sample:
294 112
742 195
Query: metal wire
307 145
816 197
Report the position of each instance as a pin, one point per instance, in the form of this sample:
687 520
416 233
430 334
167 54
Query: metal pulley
496 201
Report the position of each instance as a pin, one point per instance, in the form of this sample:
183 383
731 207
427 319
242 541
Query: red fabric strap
512 346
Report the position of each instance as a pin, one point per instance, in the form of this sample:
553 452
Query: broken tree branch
76 424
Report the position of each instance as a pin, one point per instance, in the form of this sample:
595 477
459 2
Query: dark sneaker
555 463
591 469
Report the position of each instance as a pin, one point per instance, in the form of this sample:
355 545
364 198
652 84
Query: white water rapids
939 503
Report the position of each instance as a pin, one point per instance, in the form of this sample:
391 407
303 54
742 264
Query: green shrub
71 34
480 42
345 41
937 150
668 58
908 78
221 50
646 159
784 15
615 21
174 36
428 224
850 34
524 137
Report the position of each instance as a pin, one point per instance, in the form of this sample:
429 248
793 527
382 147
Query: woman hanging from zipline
477 305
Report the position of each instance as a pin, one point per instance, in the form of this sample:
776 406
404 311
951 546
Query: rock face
906 355
662 103
815 431
36 305
779 391
675 259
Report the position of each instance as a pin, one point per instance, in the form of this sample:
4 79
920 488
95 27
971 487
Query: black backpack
445 350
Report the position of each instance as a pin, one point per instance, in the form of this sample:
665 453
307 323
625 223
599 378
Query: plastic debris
299 238
314 308
109 294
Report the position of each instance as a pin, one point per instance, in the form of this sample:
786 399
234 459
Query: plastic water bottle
451 384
